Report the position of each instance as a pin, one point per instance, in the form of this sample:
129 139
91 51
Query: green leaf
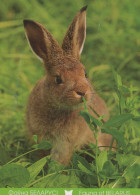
123 89
89 180
35 168
43 145
4 155
102 158
133 183
85 104
102 117
86 178
95 120
90 119
85 116
126 160
119 183
135 141
14 175
116 134
93 147
108 170
60 180
117 78
122 102
84 169
129 172
137 118
118 120
55 166
35 138
132 172
79 159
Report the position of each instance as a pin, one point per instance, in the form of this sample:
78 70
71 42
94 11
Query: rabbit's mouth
79 96
73 99
77 100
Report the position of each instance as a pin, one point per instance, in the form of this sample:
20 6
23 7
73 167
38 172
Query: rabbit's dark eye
86 74
58 80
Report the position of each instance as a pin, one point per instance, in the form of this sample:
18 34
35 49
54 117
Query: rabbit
55 101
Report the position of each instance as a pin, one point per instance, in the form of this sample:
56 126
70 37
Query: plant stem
103 183
111 143
96 156
20 156
58 172
85 152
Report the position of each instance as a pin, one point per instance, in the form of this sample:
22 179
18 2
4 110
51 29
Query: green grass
112 42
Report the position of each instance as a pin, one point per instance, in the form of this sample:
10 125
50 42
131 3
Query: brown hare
54 104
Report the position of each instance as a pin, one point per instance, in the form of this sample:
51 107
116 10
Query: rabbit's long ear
41 41
75 37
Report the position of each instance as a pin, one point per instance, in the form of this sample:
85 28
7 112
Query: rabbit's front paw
62 157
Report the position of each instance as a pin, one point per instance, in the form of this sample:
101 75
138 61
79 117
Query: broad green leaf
102 158
133 183
84 169
14 175
118 120
43 145
132 172
85 116
116 134
95 120
82 160
60 180
35 168
125 160
108 170
90 119
55 166
89 180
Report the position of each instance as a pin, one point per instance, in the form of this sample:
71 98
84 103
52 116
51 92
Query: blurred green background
113 40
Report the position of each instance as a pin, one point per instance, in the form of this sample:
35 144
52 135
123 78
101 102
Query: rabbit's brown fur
53 107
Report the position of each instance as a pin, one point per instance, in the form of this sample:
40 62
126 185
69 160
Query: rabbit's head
66 81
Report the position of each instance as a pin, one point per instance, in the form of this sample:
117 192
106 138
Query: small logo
68 192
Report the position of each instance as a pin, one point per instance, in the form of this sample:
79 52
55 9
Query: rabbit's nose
80 93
